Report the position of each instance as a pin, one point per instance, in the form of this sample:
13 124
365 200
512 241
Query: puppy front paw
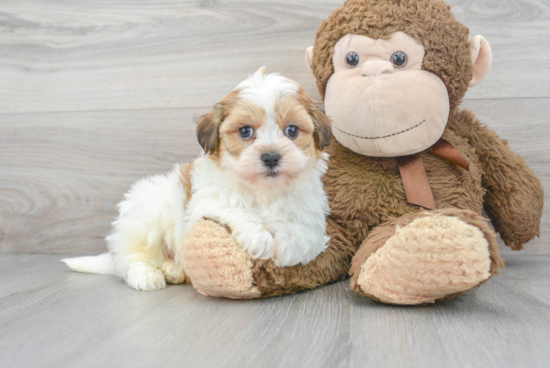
254 239
292 249
287 253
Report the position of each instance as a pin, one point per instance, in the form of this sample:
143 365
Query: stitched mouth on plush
384 136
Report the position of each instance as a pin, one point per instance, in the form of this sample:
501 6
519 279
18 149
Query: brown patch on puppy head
207 130
208 125
321 122
290 111
243 113
447 49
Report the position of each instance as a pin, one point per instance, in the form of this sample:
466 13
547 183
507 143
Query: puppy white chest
286 224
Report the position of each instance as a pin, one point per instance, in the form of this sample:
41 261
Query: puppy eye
292 131
246 132
352 59
399 59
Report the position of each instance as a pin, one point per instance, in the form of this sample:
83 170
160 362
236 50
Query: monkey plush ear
309 55
481 59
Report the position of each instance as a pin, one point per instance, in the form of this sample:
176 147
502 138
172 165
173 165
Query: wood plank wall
96 94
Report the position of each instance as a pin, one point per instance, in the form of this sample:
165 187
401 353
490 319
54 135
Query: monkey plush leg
217 266
514 198
329 266
426 257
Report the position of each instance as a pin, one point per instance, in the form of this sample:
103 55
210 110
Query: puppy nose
372 68
271 159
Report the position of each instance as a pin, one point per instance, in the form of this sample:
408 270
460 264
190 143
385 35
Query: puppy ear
323 131
309 56
262 70
208 127
321 122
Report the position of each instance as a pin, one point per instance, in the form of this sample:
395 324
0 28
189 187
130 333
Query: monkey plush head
391 71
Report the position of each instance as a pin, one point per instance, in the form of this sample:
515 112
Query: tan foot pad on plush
432 257
215 263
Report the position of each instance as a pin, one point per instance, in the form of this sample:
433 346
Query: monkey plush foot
216 264
426 257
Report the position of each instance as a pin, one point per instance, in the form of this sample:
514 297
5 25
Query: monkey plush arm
514 197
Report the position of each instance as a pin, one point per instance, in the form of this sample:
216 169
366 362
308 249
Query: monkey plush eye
352 59
291 131
399 59
246 132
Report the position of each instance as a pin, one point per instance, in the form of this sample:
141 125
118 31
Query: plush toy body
409 172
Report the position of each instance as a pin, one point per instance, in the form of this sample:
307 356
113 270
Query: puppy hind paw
144 277
173 274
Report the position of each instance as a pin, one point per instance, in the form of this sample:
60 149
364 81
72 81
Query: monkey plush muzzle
387 114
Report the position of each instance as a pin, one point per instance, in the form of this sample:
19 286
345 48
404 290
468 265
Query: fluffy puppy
260 175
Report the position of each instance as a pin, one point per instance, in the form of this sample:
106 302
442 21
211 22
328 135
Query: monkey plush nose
271 159
373 68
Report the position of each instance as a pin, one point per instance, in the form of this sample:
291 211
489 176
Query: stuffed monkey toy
409 172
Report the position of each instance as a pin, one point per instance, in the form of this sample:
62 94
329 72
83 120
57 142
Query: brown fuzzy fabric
365 191
515 197
430 22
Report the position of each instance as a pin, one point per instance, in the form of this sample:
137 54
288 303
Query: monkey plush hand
409 173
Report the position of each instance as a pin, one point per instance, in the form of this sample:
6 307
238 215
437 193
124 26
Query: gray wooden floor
51 317
95 94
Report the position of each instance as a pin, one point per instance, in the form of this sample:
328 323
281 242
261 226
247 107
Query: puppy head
267 132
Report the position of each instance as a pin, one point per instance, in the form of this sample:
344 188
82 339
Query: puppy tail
102 264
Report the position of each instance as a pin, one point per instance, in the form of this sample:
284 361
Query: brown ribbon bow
415 181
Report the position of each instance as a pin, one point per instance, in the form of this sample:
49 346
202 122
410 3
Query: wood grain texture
63 173
90 321
96 94
109 55
52 317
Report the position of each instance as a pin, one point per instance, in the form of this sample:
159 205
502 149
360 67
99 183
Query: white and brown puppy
260 174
